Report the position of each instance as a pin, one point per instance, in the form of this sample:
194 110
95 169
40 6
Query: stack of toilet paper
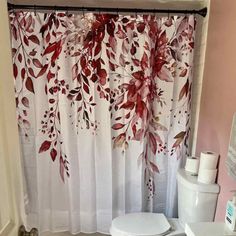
192 165
205 168
208 167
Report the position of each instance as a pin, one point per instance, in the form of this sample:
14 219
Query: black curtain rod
12 7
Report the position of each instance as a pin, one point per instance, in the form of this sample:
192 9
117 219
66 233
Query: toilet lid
146 224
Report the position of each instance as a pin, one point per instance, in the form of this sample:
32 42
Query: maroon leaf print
128 105
25 101
117 126
32 53
183 73
102 74
51 48
136 62
110 28
86 88
26 41
15 70
184 90
50 75
159 64
133 50
34 39
153 143
97 49
138 74
23 73
191 44
162 39
119 140
43 70
179 138
78 97
31 72
144 61
140 27
45 146
29 84
37 63
53 154
20 57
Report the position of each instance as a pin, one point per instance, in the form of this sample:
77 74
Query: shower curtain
103 108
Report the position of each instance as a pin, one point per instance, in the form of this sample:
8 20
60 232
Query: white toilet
196 203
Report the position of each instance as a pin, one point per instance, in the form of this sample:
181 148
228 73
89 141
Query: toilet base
177 229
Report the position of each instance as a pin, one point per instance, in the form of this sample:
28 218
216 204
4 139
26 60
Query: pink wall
218 102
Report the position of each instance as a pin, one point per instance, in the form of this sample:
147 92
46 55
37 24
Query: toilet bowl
145 224
196 203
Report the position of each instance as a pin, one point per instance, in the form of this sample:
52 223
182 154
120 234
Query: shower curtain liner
103 108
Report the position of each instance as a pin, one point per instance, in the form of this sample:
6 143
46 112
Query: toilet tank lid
190 181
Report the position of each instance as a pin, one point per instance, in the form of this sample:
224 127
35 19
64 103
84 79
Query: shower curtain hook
67 13
168 14
83 11
34 10
136 14
117 11
155 14
185 13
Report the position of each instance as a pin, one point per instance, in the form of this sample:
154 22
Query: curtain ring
83 11
117 11
67 13
168 14
136 15
185 14
34 10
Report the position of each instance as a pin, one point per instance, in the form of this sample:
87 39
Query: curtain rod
201 12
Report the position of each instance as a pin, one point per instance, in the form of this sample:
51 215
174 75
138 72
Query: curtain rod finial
203 12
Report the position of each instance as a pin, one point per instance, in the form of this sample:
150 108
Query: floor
68 234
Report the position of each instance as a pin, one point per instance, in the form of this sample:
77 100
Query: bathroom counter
208 228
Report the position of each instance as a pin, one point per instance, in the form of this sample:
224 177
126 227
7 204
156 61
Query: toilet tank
196 201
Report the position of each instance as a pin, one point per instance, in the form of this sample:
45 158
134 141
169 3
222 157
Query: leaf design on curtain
105 48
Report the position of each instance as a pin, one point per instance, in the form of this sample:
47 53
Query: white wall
9 139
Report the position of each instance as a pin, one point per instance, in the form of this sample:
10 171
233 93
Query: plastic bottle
230 216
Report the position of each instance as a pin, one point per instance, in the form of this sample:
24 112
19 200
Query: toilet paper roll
192 165
207 176
208 160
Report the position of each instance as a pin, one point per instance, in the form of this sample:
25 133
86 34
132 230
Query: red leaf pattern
130 65
45 146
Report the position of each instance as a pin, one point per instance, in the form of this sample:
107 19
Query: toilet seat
140 224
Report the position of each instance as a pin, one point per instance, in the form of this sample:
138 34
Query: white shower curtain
103 107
